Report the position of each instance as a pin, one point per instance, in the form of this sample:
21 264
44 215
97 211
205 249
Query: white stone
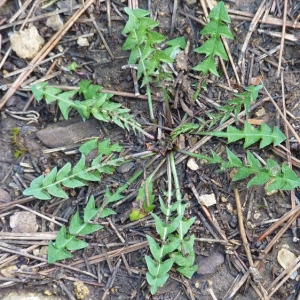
207 199
26 43
191 164
285 258
83 42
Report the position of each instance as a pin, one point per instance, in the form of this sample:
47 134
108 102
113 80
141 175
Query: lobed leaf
188 272
219 12
281 177
181 260
216 28
55 254
51 184
264 134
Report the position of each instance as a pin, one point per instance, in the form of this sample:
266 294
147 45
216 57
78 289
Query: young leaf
264 134
183 260
188 272
186 225
88 146
154 248
77 226
282 177
95 103
68 241
76 244
51 184
55 254
163 228
216 28
90 210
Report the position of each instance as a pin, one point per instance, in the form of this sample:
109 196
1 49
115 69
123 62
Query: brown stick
294 213
241 226
283 117
282 37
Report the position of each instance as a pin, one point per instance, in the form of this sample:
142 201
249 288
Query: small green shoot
16 143
216 28
233 107
264 134
45 186
95 103
68 241
283 178
72 66
173 242
144 42
143 203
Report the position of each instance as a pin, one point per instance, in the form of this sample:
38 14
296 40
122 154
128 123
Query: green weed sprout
173 242
67 241
216 28
95 104
45 186
144 42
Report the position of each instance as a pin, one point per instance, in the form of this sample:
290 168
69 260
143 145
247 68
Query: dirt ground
113 265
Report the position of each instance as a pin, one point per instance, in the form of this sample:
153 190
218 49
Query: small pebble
208 265
4 196
126 167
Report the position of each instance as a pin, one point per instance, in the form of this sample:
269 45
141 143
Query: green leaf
77 226
90 211
88 146
153 268
164 229
136 214
188 244
170 246
106 149
62 239
216 28
76 244
72 66
134 15
183 260
38 90
188 272
213 45
165 267
233 159
154 248
55 254
186 225
112 197
156 282
264 134
258 179
35 190
107 212
88 90
206 66
56 191
175 46
219 12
